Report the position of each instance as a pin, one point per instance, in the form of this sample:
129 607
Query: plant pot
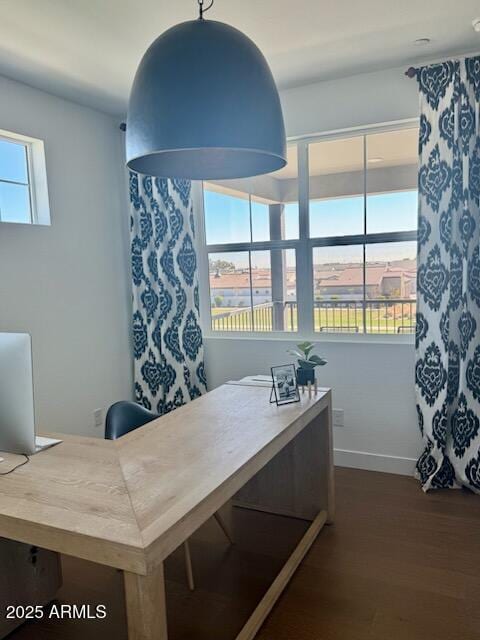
305 376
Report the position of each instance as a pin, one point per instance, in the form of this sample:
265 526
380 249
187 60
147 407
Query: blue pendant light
204 106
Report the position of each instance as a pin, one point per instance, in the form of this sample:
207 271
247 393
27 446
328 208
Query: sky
227 220
14 198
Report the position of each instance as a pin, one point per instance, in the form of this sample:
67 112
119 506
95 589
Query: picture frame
285 387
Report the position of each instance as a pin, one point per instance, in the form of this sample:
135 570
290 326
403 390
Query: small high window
23 180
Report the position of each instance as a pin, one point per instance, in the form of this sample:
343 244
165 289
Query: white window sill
282 336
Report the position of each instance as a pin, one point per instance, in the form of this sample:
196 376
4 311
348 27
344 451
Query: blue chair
123 417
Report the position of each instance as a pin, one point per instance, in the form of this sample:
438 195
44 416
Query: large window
23 187
251 230
326 245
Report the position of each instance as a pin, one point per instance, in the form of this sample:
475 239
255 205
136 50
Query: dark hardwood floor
397 565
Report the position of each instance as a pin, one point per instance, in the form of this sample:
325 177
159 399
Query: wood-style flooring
397 564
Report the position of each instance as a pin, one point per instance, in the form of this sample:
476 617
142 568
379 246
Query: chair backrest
125 416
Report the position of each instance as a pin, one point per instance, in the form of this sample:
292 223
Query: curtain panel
447 370
167 338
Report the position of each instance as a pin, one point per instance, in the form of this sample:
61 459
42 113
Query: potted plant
307 361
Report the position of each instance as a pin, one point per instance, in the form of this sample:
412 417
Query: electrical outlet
338 418
98 418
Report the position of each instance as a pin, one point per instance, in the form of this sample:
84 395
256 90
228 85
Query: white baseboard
374 462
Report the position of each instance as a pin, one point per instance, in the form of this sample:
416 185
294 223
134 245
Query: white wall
372 382
357 101
67 284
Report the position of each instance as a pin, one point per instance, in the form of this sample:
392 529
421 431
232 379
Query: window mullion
266 245
20 184
372 238
31 181
304 253
364 304
203 256
250 276
251 290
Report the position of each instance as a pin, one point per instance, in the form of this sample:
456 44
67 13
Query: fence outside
382 315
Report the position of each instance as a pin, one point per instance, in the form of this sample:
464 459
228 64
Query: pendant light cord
204 9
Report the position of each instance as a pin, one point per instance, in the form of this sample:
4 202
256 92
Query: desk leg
145 601
327 469
298 482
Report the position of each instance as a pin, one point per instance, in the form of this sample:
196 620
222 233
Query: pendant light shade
204 105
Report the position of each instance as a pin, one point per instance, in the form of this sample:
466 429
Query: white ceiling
387 149
88 50
339 165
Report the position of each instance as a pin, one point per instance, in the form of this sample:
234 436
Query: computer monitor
17 415
17 419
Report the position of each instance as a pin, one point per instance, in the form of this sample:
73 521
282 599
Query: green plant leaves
297 354
305 360
306 364
305 348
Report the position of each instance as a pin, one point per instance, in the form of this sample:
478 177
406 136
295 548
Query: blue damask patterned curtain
167 339
448 317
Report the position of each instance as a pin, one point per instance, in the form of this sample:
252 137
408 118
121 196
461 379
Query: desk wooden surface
129 503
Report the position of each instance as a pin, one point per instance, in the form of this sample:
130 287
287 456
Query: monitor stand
44 443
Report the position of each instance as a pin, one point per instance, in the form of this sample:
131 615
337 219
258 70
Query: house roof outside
352 276
239 281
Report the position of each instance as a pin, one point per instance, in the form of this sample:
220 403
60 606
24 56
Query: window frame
303 247
37 178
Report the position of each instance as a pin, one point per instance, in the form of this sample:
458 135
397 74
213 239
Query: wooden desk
129 503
